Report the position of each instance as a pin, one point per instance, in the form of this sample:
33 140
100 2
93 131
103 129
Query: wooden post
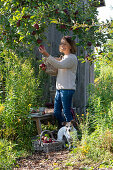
85 75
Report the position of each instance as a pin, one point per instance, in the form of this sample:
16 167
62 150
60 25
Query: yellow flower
1 108
29 105
19 120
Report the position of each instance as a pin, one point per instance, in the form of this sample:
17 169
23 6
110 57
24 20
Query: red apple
89 20
66 11
45 141
45 138
33 33
35 7
42 137
41 46
42 65
56 11
77 29
76 12
18 23
36 26
24 16
43 68
39 41
63 26
71 28
50 140
89 43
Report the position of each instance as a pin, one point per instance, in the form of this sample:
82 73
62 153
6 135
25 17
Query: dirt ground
43 161
51 161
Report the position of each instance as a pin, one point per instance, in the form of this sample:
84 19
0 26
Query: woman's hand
43 51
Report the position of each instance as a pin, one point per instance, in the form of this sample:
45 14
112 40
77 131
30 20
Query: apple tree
23 24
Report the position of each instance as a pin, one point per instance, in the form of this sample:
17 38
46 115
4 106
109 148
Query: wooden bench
37 118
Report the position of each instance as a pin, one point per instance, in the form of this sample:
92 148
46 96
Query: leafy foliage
26 21
96 144
7 155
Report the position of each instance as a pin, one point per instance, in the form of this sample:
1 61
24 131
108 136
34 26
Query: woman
65 82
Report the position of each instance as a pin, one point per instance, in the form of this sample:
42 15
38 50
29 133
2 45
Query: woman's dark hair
72 43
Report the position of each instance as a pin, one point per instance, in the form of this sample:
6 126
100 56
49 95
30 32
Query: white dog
69 132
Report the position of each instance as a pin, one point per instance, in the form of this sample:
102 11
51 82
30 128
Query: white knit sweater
67 68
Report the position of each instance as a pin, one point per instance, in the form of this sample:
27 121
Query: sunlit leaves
54 21
75 16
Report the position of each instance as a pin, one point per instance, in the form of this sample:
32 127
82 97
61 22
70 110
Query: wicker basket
38 145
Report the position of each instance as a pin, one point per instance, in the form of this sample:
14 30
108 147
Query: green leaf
54 21
21 37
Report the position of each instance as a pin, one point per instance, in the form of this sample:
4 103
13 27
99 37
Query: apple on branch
76 12
89 43
18 23
33 32
26 16
66 11
63 26
39 41
36 26
57 11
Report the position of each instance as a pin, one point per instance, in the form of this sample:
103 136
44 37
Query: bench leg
38 125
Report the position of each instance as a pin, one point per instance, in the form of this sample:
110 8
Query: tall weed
96 143
21 88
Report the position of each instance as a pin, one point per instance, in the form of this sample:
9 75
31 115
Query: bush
101 93
7 155
21 88
96 144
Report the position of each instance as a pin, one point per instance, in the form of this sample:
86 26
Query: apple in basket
42 137
50 140
45 140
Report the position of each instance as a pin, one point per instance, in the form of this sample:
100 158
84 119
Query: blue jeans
63 100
